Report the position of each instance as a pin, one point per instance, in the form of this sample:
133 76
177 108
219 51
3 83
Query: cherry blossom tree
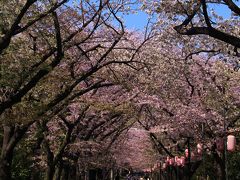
85 92
177 106
52 53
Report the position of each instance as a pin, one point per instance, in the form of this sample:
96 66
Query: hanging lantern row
180 161
176 161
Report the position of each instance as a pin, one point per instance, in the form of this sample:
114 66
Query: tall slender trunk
50 172
11 136
221 162
223 173
59 171
65 172
6 154
5 166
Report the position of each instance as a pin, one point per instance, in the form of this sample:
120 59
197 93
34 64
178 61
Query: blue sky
223 10
138 21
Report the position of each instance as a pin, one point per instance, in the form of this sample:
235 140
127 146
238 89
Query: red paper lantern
179 162
171 161
167 160
182 160
231 143
192 155
164 166
176 158
186 152
199 148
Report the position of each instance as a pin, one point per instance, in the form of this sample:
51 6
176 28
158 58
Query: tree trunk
9 142
58 172
50 172
65 173
11 136
223 174
5 169
221 162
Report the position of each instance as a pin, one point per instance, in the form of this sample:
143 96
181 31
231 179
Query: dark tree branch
5 41
41 16
201 51
191 85
190 16
232 6
205 13
159 144
101 6
15 29
209 30
60 53
212 32
40 74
